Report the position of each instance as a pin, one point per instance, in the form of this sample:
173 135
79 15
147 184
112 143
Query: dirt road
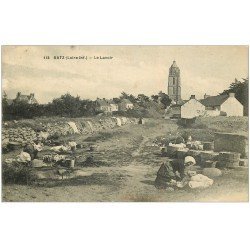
131 162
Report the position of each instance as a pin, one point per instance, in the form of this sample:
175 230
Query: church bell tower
174 83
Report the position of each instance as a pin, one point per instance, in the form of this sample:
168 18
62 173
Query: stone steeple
174 83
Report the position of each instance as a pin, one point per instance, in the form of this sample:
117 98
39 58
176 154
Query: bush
192 123
18 173
135 113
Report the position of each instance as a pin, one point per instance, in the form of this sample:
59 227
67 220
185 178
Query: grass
18 173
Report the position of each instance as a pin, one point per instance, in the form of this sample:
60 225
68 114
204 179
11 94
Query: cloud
15 71
133 69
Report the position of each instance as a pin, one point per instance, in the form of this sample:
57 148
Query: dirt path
137 152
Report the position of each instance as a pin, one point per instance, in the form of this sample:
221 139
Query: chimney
18 94
192 97
206 96
32 95
231 94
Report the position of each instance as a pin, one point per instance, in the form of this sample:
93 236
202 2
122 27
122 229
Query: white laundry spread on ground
74 127
200 181
91 126
24 157
118 122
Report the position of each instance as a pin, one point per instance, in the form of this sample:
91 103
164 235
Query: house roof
112 102
102 102
180 103
126 101
24 98
212 101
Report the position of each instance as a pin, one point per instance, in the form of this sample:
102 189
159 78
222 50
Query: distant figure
141 121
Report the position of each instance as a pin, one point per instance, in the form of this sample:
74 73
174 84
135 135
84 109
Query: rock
61 171
208 146
227 164
243 163
37 163
211 172
24 157
14 145
231 142
229 156
208 156
179 140
209 164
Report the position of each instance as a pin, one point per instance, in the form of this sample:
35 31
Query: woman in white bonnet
181 167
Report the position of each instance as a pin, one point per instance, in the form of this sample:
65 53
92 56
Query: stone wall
24 134
230 142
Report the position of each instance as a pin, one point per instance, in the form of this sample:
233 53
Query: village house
30 99
113 105
107 106
226 105
125 104
102 105
192 108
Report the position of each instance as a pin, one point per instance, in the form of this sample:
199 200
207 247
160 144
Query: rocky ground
128 160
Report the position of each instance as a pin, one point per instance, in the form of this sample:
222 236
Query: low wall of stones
23 134
230 142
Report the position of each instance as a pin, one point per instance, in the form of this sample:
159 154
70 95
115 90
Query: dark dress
178 165
164 175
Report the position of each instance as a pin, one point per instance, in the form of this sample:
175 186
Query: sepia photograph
125 123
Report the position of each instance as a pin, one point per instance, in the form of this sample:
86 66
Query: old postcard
124 123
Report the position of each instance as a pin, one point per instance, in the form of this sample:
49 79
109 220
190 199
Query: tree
5 103
67 105
130 97
164 99
124 95
142 98
155 98
116 100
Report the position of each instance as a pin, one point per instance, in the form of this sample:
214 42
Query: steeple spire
174 64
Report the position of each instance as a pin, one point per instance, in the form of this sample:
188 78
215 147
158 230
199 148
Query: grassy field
127 161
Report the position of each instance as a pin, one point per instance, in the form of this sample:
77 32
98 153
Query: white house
125 104
103 105
192 108
30 99
113 105
220 104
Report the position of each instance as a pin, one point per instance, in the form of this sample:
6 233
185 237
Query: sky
133 69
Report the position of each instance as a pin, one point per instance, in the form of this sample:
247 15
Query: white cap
189 159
